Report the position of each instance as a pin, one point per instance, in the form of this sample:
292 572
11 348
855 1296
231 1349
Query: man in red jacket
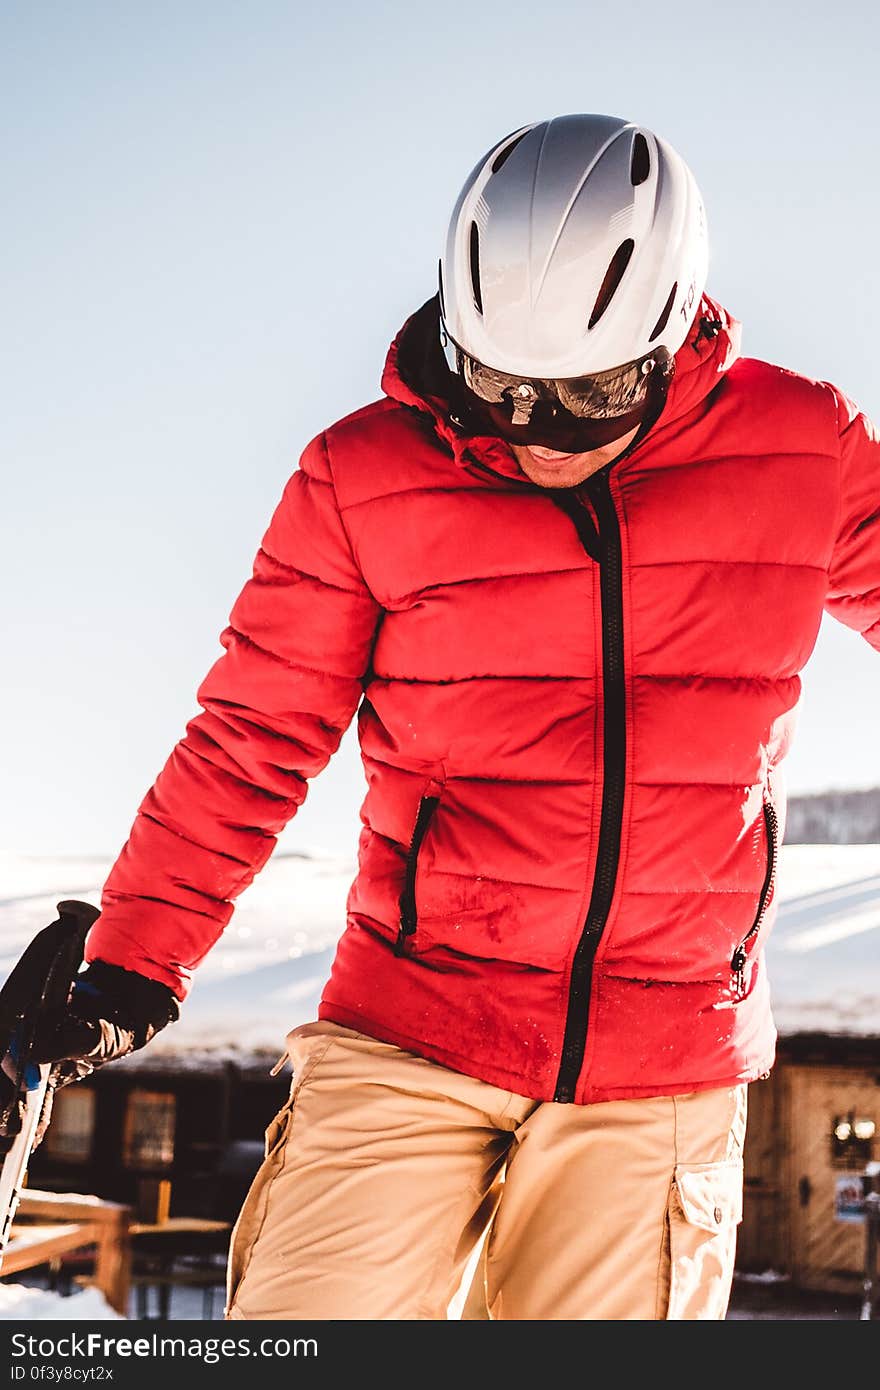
567 571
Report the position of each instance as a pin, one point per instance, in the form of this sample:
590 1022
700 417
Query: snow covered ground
22 1303
266 973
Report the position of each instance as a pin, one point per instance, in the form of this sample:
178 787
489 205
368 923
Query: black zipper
408 910
740 955
601 541
605 547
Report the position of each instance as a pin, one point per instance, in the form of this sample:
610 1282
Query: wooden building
814 1125
161 1136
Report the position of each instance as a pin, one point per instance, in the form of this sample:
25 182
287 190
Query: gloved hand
110 1013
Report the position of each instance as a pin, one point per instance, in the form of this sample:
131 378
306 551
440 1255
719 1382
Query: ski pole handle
41 979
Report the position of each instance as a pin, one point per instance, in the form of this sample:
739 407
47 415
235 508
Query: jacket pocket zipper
740 956
408 910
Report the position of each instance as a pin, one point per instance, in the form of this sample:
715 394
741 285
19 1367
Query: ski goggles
621 394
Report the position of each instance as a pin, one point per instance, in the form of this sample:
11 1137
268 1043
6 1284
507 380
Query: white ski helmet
577 244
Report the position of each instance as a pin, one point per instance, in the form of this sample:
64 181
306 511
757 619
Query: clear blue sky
217 216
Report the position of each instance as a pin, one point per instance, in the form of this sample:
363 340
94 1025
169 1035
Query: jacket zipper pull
409 917
738 967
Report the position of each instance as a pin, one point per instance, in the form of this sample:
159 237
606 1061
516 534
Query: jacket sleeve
853 595
274 708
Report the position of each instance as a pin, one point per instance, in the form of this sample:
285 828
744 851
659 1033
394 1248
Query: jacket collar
415 374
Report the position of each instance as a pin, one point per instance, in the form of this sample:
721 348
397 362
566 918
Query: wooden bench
179 1251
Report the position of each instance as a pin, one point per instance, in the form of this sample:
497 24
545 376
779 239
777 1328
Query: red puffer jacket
572 711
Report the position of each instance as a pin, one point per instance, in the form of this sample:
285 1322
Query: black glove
110 1013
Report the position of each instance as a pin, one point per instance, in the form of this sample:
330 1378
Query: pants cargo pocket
253 1211
704 1211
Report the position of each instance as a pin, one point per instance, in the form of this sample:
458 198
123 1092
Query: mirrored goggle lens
600 396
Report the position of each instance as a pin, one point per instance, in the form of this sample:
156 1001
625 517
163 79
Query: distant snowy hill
834 818
266 973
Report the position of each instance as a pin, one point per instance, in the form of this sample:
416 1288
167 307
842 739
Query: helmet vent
640 164
475 267
440 287
613 276
505 153
664 317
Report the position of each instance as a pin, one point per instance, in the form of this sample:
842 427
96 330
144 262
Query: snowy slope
265 975
824 951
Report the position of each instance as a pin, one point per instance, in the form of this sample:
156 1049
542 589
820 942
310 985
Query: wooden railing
48 1225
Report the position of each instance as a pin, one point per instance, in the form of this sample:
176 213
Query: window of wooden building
148 1133
69 1136
852 1140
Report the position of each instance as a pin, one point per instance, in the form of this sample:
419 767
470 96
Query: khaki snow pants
384 1172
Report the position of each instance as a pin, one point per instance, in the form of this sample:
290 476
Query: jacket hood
416 375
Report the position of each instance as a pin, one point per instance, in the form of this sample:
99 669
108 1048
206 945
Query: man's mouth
548 455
